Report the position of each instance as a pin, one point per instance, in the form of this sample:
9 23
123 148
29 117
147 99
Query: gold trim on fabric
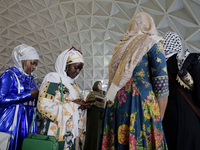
75 86
78 58
45 113
71 58
71 107
182 83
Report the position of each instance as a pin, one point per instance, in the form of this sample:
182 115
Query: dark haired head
95 86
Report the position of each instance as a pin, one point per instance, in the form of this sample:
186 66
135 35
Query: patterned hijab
68 56
140 37
172 45
23 52
96 96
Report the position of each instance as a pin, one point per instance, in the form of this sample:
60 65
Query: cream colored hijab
129 51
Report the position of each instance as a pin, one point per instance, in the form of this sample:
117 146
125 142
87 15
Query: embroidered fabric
185 79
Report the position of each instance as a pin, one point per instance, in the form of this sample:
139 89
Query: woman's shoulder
8 74
193 59
157 47
9 71
157 40
14 70
51 77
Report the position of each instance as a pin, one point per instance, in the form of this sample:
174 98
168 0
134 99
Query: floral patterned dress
133 121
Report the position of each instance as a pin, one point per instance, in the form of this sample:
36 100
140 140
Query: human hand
80 102
83 107
34 93
83 104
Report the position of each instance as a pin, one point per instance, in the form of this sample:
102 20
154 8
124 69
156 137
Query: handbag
36 141
6 137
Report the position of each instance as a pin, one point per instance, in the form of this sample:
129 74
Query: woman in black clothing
181 124
94 116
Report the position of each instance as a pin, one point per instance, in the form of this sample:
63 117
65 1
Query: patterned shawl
129 51
172 45
96 97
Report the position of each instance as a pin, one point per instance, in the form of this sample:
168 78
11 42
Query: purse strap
32 121
183 94
61 91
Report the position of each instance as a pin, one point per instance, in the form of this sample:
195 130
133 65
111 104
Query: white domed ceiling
93 26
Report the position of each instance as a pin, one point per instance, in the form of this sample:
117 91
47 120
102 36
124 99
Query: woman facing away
137 90
17 87
95 114
66 114
181 124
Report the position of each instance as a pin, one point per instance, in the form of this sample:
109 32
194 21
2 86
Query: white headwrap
68 56
23 52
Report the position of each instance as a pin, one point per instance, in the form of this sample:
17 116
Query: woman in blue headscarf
18 93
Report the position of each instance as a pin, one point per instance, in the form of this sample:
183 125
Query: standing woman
13 79
137 89
181 124
94 116
65 115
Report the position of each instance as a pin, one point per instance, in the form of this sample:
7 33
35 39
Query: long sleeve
158 71
159 76
50 105
8 91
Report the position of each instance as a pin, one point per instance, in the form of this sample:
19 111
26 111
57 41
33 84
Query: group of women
136 97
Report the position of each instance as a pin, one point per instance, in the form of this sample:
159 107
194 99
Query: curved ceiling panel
93 26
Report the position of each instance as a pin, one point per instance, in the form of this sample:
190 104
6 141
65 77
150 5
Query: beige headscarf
129 51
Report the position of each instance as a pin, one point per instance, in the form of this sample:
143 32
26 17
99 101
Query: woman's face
73 70
100 86
29 65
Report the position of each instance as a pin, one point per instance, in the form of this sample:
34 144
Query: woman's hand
34 93
83 104
83 107
79 101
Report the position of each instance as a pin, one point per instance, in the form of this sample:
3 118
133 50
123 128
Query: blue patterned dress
133 121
